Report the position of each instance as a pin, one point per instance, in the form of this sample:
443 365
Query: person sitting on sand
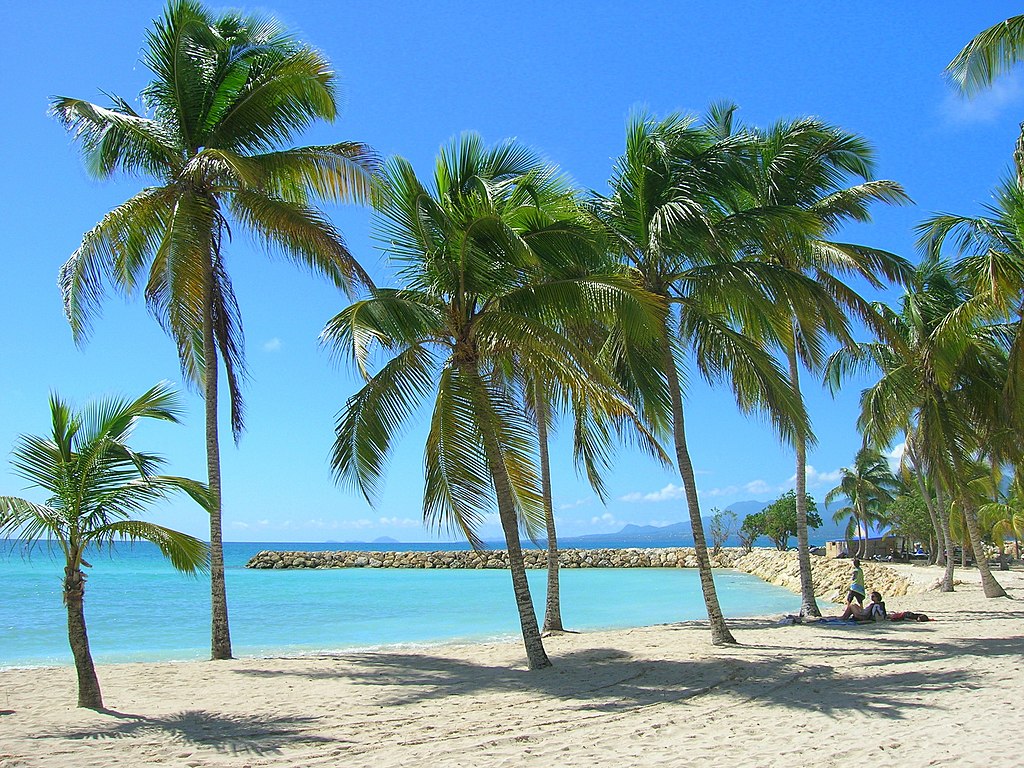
856 586
874 612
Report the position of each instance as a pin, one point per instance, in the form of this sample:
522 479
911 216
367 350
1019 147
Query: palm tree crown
473 318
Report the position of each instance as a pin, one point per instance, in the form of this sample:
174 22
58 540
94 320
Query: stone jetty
831 577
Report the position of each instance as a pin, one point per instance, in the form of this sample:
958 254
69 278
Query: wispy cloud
816 479
713 493
985 107
670 491
607 519
273 345
575 504
758 487
895 456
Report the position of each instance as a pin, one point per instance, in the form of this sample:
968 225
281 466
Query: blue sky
561 77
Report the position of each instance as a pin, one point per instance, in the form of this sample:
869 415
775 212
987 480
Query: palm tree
870 486
1003 517
669 222
941 386
97 485
471 326
991 247
228 93
806 164
595 432
988 55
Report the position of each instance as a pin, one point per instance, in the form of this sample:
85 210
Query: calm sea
138 608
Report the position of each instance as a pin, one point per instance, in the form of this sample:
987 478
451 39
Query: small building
879 547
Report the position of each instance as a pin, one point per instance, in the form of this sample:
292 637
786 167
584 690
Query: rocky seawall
831 577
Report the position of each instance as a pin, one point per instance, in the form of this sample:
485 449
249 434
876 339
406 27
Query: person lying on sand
908 616
875 610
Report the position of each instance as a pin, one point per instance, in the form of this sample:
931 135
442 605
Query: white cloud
574 504
986 106
758 487
274 345
712 493
607 519
816 479
895 456
670 491
400 522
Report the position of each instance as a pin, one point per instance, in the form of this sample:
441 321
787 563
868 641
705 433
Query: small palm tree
473 324
97 486
870 486
229 92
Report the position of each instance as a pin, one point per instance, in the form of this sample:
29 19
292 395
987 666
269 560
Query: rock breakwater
831 578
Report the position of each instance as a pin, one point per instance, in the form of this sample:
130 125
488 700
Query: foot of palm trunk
89 695
536 656
991 587
553 607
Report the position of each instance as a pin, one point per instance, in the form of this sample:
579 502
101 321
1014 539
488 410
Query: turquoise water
139 609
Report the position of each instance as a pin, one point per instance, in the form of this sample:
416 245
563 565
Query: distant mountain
386 540
744 508
681 534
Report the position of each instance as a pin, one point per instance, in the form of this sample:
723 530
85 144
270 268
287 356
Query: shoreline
900 694
769 566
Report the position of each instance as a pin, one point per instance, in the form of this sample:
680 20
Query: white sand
905 694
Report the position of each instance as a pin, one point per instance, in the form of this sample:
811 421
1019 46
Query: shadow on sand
606 679
234 734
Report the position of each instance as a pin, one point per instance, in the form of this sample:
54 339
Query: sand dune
901 694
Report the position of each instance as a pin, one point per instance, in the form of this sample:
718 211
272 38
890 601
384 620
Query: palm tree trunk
89 695
937 555
862 526
947 539
552 607
808 605
220 635
989 584
720 634
536 656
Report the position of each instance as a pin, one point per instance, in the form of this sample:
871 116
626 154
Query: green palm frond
373 417
458 492
988 55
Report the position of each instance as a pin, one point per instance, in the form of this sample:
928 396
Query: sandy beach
901 694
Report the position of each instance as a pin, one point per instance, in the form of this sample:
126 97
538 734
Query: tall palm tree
97 485
941 386
669 221
807 164
870 486
470 327
228 94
